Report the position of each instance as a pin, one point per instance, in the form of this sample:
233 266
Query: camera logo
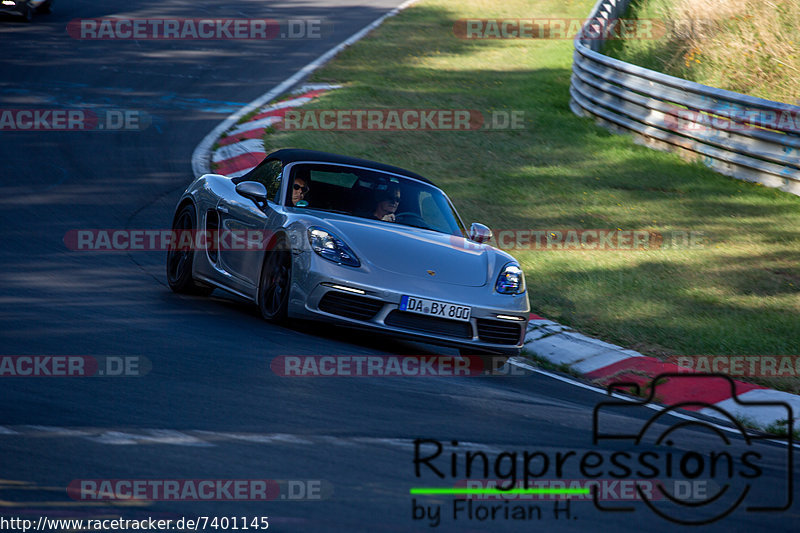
724 470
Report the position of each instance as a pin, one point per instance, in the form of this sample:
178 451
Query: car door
246 227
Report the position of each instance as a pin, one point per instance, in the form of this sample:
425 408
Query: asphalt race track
211 408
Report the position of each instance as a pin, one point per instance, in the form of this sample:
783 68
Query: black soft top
290 155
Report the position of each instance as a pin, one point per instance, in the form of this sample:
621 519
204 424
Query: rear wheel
181 258
276 277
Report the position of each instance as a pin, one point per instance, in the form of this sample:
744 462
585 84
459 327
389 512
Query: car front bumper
322 290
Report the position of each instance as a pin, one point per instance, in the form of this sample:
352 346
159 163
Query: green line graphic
448 490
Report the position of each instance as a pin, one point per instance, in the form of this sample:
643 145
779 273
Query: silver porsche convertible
322 236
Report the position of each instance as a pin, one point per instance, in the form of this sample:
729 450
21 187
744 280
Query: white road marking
116 438
210 438
59 431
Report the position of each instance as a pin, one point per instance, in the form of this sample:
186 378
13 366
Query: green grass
745 46
740 295
781 429
546 364
669 53
247 116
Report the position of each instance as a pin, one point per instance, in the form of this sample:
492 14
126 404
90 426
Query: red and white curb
606 363
241 148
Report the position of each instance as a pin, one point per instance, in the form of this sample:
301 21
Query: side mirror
253 190
479 233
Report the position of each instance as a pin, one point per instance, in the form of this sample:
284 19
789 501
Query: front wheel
181 258
276 277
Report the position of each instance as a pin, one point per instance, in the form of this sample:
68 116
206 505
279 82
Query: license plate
422 306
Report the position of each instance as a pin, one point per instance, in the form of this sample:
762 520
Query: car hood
414 252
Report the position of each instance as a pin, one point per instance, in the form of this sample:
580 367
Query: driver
299 189
387 204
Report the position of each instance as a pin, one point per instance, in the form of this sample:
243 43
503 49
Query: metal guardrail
737 135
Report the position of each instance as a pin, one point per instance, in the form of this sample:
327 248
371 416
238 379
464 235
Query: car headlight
330 247
511 280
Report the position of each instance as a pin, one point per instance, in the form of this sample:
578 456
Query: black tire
276 279
46 7
179 262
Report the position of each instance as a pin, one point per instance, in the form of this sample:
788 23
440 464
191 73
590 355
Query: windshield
371 194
